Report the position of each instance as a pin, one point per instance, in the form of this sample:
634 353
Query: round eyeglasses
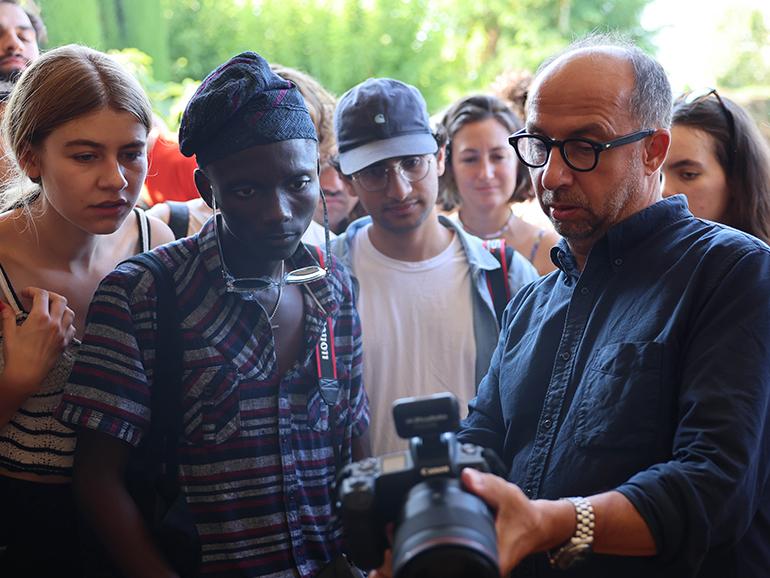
377 177
580 154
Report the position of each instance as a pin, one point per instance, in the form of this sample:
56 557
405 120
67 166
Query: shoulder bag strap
178 218
497 279
166 422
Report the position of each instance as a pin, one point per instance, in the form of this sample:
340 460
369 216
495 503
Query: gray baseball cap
379 119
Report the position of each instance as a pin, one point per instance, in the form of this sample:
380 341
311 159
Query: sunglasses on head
697 96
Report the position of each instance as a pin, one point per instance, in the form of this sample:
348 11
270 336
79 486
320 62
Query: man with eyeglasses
271 399
630 390
427 317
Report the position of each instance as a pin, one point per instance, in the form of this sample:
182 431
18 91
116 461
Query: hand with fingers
30 350
523 526
518 523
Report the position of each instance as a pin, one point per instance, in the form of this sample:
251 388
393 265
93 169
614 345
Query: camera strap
497 279
326 366
326 358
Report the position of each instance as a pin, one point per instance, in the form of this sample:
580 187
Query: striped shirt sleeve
109 387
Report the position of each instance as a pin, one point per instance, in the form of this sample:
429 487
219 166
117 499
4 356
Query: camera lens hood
444 531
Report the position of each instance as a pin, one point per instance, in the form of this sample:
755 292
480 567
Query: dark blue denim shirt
648 373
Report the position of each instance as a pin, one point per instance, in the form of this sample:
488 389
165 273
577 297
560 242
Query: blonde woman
76 129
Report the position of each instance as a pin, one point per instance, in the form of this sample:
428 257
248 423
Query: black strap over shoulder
178 218
497 279
166 422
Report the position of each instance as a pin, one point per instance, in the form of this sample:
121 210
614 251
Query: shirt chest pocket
619 397
212 413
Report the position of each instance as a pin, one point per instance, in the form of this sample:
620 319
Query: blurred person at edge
186 219
21 32
76 125
720 161
483 178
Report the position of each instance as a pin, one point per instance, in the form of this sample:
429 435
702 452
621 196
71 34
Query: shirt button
565 356
584 291
547 423
618 262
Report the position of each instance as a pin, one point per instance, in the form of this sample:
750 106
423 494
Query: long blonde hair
59 86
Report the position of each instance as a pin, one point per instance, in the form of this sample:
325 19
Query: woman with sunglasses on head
76 130
484 178
720 161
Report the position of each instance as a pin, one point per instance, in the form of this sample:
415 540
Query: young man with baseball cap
264 430
427 315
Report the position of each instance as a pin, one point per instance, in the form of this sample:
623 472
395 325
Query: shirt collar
623 237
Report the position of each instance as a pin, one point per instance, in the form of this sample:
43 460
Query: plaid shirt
257 464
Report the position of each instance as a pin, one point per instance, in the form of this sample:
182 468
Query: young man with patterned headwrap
260 443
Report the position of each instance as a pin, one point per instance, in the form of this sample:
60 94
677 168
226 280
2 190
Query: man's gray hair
651 98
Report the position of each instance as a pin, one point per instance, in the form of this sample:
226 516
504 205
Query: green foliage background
445 47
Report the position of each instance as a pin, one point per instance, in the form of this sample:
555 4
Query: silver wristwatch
579 546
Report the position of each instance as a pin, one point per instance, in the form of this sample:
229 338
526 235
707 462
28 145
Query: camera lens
444 531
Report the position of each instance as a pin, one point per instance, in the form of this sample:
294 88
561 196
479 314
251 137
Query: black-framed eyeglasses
377 177
580 154
299 276
697 96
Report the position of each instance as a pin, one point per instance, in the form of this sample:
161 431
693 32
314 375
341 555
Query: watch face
569 555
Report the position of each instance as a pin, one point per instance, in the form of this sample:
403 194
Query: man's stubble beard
615 201
10 77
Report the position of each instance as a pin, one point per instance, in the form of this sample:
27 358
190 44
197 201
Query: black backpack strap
497 279
166 407
178 218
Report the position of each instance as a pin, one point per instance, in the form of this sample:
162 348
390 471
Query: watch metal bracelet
579 546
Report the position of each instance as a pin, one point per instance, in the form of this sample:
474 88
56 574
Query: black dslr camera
440 529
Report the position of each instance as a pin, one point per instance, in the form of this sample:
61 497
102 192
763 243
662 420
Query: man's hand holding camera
523 526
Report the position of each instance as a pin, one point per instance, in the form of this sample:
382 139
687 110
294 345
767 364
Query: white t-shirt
314 235
417 324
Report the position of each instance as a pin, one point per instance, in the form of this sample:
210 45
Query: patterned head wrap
242 104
